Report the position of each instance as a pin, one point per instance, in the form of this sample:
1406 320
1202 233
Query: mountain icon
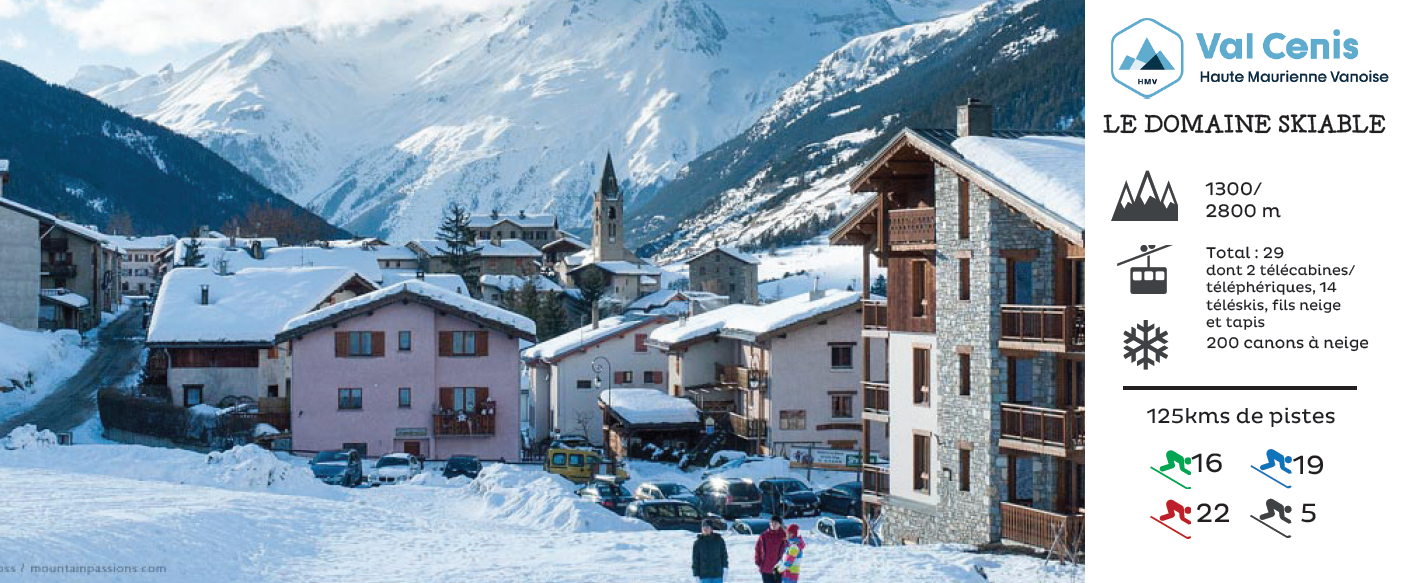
1148 59
1146 205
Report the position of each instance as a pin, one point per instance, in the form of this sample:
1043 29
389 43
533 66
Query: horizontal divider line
1239 388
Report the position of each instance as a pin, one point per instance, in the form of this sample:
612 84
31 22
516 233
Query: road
76 401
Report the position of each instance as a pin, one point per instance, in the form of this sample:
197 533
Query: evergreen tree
553 319
455 231
529 304
192 256
879 286
593 286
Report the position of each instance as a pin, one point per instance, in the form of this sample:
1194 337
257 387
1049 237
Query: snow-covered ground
246 515
33 364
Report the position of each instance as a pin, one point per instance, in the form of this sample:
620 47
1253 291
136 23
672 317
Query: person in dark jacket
769 549
708 557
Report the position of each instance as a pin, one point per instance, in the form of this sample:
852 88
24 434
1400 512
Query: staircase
705 448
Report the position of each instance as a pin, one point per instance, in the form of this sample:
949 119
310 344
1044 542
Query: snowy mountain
1148 204
376 128
784 179
91 77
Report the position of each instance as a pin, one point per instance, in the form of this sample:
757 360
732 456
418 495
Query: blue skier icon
1275 459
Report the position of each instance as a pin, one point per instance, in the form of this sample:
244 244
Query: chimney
815 294
257 250
204 231
974 119
521 213
205 295
421 275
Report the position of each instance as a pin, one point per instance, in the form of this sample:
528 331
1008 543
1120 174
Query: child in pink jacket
788 566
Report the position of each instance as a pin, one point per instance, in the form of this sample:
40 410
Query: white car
394 468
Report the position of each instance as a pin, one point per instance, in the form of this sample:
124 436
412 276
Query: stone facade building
982 394
726 271
19 264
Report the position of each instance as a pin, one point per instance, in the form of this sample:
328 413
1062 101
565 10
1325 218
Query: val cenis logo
1148 57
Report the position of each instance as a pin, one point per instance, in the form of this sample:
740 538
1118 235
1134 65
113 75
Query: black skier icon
1274 507
1147 280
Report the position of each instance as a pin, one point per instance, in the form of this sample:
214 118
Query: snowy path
68 406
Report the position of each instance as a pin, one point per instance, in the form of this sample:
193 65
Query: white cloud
12 8
148 26
15 41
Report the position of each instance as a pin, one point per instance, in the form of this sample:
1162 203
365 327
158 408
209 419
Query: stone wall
719 273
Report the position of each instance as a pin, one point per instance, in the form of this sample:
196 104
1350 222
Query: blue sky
53 38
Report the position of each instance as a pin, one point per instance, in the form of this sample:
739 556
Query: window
793 419
841 356
357 344
639 343
404 340
921 462
921 376
360 344
585 383
964 469
272 354
964 275
918 289
272 391
191 395
463 398
652 377
404 398
557 460
464 343
350 398
963 210
842 406
964 373
622 378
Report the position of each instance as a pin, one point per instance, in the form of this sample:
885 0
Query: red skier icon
1174 509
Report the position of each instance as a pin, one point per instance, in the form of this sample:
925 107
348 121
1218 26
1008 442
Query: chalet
556 252
493 257
982 234
493 288
773 377
536 230
214 335
565 384
77 269
408 368
726 271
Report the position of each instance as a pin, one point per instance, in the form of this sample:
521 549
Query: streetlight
599 364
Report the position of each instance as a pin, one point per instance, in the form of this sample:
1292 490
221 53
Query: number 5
1308 509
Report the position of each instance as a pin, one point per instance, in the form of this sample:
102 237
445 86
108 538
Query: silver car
666 491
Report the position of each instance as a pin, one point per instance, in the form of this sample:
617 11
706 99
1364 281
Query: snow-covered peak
91 77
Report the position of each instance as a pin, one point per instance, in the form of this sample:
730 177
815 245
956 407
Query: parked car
394 468
609 495
751 526
462 465
729 497
734 464
788 497
666 514
844 499
667 491
845 529
580 466
340 468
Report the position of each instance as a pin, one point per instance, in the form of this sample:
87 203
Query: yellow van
580 466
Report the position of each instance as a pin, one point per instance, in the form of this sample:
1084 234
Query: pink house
408 368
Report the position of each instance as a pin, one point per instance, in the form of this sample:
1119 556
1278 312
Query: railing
748 428
1039 429
876 397
1039 528
740 376
463 424
874 314
59 269
912 226
1059 328
876 480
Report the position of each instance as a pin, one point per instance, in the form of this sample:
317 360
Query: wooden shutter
448 397
482 394
379 343
619 378
443 344
340 344
640 343
657 377
482 343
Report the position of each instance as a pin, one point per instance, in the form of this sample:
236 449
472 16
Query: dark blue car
844 499
788 497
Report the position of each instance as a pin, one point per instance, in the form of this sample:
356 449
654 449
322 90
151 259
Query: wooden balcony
1039 528
463 424
911 229
876 483
1056 432
740 377
53 245
876 401
874 318
1042 328
59 269
748 428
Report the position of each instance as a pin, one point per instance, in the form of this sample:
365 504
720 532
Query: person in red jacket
769 549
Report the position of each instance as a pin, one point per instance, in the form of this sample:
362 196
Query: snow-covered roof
649 406
1046 169
249 306
626 268
363 261
432 247
69 226
126 243
394 252
568 240
506 248
448 281
441 297
508 282
573 340
579 258
211 247
363 242
750 321
525 221
731 251
65 297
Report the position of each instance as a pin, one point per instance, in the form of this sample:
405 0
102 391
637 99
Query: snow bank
29 437
531 498
250 467
32 364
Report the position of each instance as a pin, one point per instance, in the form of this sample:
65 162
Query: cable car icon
1148 279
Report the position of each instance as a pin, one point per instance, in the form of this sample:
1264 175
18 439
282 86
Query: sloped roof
448 281
363 261
506 248
558 347
526 221
751 322
150 242
68 226
649 406
249 306
508 282
420 291
731 251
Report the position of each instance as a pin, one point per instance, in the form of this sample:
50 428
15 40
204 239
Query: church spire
608 187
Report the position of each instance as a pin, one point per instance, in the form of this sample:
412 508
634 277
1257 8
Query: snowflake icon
1147 341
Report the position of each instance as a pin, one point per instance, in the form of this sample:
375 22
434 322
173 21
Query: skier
1274 507
1278 458
1173 508
789 564
708 557
769 549
1174 459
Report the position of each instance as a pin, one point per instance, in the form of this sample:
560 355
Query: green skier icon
1174 460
